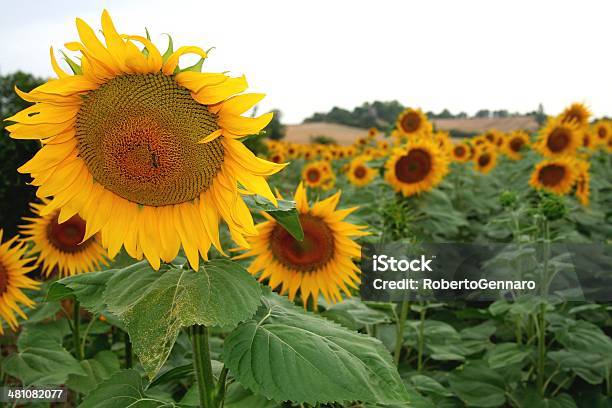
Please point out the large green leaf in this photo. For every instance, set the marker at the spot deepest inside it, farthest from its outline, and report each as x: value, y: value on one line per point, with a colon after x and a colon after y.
x: 123, y: 389
x: 97, y: 369
x: 505, y: 354
x: 591, y: 367
x: 87, y: 288
x: 355, y: 314
x: 155, y: 306
x: 286, y: 353
x: 285, y: 214
x: 478, y: 386
x: 40, y: 358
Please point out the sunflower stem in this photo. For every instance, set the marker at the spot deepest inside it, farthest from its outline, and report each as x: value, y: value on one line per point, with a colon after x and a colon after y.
x: 128, y: 350
x: 203, y: 367
x: 76, y: 329
x: 399, y: 339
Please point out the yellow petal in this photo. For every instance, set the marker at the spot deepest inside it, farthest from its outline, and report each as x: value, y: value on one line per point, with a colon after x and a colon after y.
x: 237, y: 105
x: 194, y: 81
x: 173, y: 59
x: 210, y: 95
x: 240, y: 125
x: 56, y: 68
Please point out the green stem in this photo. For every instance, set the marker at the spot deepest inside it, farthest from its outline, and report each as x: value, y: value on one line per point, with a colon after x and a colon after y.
x: 203, y: 366
x: 220, y: 392
x: 76, y: 330
x: 129, y: 356
x: 399, y: 338
x: 421, y: 340
x: 541, y: 327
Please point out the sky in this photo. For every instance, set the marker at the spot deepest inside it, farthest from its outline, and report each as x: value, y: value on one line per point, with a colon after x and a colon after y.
x: 309, y: 56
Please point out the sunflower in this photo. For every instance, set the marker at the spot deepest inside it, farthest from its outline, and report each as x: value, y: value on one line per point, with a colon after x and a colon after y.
x: 60, y: 244
x: 412, y: 122
x: 558, y: 138
x: 576, y: 113
x: 602, y: 131
x: 583, y: 182
x: 372, y: 132
x: 493, y: 136
x: 555, y: 175
x: 461, y: 152
x: 485, y: 159
x: 13, y: 269
x: 277, y: 156
x: 358, y: 172
x: 516, y: 141
x: 322, y: 263
x: 147, y: 153
x: 417, y: 167
x: 316, y: 174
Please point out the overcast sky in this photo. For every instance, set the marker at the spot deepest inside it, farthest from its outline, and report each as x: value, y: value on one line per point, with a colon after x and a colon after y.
x: 312, y: 55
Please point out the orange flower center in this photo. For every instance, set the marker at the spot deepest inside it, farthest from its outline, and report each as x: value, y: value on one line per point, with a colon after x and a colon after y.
x: 413, y: 167
x: 310, y: 254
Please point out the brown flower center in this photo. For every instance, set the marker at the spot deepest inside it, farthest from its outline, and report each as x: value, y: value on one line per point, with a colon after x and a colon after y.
x: 484, y: 159
x: 138, y: 136
x: 459, y: 151
x: 551, y: 175
x: 601, y: 132
x: 4, y: 279
x: 313, y: 175
x: 68, y: 235
x: 413, y: 167
x: 310, y: 254
x: 411, y: 122
x: 360, y: 172
x: 516, y: 144
x: 558, y: 140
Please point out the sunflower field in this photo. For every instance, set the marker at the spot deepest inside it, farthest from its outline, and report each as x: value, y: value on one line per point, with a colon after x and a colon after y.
x: 164, y: 263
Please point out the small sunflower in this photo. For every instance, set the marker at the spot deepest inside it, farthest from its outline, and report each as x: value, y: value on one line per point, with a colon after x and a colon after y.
x: 417, y: 167
x: 493, y: 136
x: 372, y: 132
x: 14, y: 266
x: 555, y: 175
x: 576, y: 113
x: 149, y: 154
x: 558, y: 138
x: 460, y: 152
x: 485, y: 159
x: 277, y: 156
x: 583, y: 182
x: 516, y: 141
x: 413, y: 122
x: 358, y: 172
x: 322, y: 263
x: 60, y: 244
x: 318, y: 174
x: 602, y: 130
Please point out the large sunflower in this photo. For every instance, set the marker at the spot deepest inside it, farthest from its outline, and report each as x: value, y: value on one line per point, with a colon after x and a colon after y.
x: 559, y: 138
x: 413, y: 122
x: 516, y: 141
x: 555, y: 175
x: 147, y: 153
x: 60, y: 243
x: 13, y: 269
x: 417, y: 167
x: 322, y: 263
x: 358, y: 173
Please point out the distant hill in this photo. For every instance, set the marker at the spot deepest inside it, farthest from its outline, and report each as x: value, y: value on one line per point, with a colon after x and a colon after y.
x: 346, y: 135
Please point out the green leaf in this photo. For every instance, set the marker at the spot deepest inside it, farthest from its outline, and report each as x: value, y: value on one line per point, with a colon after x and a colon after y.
x: 505, y: 354
x: 176, y: 373
x: 197, y: 67
x: 285, y: 214
x: 355, y: 314
x: 76, y: 68
x: 86, y: 287
x: 591, y: 367
x: 155, y: 306
x: 429, y: 386
x: 169, y: 49
x: 97, y: 369
x: 478, y: 386
x: 40, y: 358
x: 286, y: 353
x: 530, y: 397
x: 122, y: 389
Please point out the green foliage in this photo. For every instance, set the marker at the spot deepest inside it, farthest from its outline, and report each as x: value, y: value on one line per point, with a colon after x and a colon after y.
x: 15, y: 193
x: 275, y: 129
x: 322, y: 139
x: 370, y: 114
x: 285, y: 213
x: 285, y: 353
